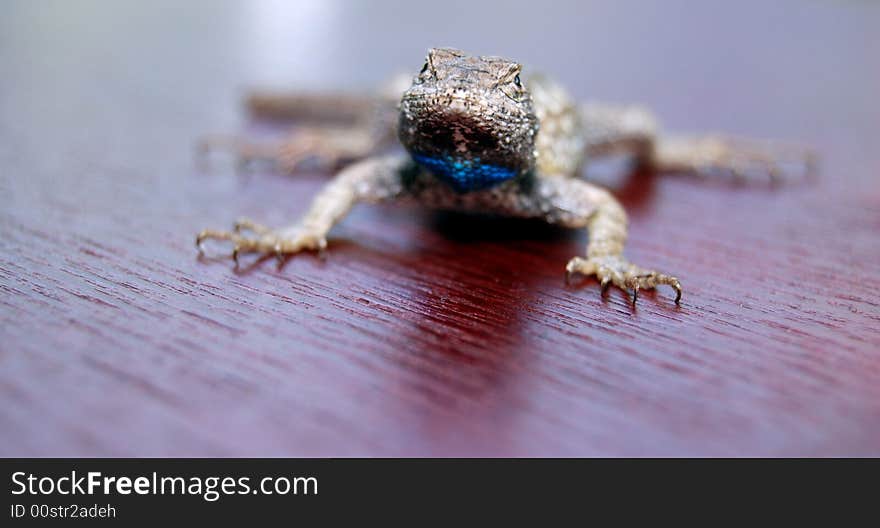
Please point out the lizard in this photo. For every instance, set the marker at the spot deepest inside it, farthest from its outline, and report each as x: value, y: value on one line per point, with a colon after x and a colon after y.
x: 478, y: 137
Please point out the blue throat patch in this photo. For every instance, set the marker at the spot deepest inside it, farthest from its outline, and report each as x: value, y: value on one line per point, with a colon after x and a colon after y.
x: 465, y: 175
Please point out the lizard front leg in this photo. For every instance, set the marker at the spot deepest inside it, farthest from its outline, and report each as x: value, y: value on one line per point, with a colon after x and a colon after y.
x: 372, y: 180
x: 576, y: 203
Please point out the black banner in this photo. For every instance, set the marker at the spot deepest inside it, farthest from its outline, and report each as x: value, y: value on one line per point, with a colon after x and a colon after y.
x: 345, y: 490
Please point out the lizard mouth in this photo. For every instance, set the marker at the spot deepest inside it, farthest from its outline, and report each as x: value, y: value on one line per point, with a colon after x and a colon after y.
x: 453, y: 132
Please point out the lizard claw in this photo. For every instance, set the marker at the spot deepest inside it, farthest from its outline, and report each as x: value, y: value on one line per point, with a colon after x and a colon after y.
x: 616, y: 270
x: 279, y: 254
x: 606, y: 282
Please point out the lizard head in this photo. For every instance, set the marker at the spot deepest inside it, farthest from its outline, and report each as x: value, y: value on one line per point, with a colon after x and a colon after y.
x: 469, y: 120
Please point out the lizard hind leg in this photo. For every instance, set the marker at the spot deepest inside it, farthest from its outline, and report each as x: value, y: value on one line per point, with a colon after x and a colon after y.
x: 328, y: 146
x: 333, y: 129
x: 744, y: 160
x: 634, y: 130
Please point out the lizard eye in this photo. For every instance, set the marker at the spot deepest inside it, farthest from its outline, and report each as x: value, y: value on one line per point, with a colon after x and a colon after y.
x: 517, y: 81
x: 421, y: 77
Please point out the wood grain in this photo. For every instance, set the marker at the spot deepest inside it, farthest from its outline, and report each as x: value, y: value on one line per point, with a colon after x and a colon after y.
x: 420, y: 333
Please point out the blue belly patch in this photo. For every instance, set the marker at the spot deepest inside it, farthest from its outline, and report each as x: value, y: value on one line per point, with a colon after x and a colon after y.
x: 464, y: 174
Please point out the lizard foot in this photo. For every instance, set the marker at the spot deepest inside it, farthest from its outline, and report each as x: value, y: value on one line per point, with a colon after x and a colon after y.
x: 265, y: 240
x: 618, y: 271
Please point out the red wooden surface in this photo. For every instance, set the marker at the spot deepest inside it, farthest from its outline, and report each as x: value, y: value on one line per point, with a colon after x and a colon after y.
x: 431, y: 334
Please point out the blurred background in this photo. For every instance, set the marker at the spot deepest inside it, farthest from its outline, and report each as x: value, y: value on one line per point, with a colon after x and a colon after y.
x: 775, y: 69
x: 781, y: 69
x: 116, y: 340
